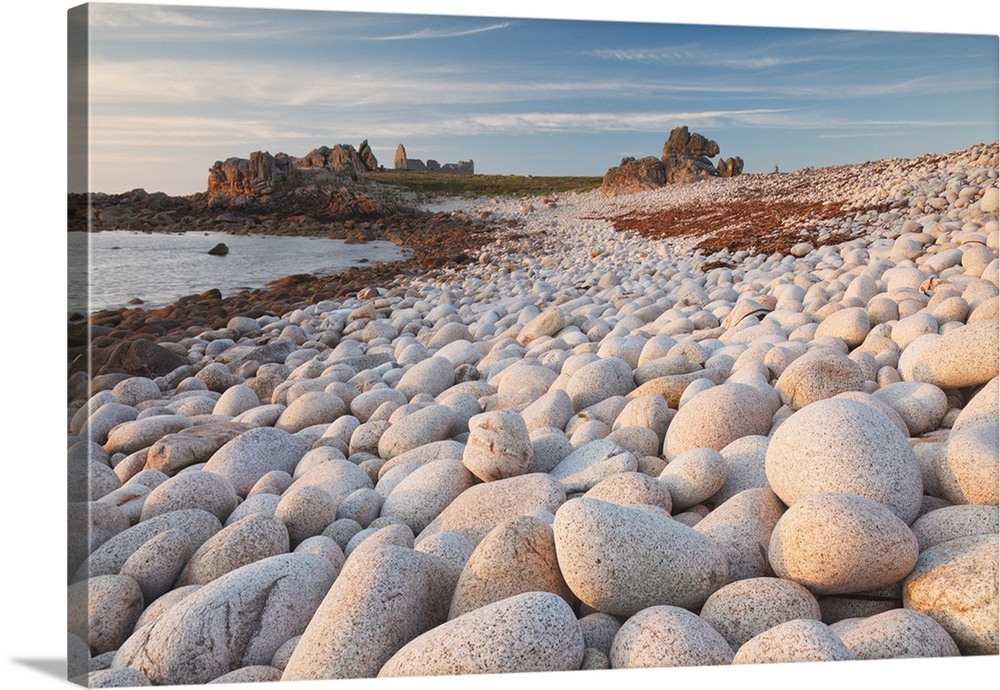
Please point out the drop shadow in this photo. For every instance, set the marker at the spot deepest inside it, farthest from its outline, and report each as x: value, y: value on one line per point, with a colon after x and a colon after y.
x: 50, y: 667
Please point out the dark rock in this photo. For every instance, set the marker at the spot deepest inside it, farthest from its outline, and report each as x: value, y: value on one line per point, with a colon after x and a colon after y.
x: 634, y: 176
x: 136, y: 358
x: 219, y: 250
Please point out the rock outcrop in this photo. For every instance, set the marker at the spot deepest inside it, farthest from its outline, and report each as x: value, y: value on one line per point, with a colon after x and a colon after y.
x: 402, y: 162
x: 365, y: 151
x: 634, y: 176
x: 686, y: 158
x: 265, y: 193
x: 237, y: 181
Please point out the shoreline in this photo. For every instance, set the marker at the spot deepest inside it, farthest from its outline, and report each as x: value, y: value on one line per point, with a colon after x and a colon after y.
x: 436, y: 240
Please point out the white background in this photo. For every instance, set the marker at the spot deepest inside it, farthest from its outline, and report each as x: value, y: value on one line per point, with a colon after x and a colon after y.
x: 32, y: 368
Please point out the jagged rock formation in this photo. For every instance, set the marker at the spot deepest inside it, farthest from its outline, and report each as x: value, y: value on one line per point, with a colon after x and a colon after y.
x: 686, y: 158
x: 730, y: 167
x: 275, y: 194
x: 635, y: 176
x: 402, y: 162
x: 263, y: 175
x: 324, y: 183
x: 367, y: 157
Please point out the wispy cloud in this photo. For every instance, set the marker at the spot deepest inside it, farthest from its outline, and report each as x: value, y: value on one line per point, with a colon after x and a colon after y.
x: 149, y: 136
x: 228, y: 83
x: 423, y: 34
x: 119, y: 16
x: 538, y: 122
x: 674, y: 55
x: 235, y: 136
x: 225, y: 134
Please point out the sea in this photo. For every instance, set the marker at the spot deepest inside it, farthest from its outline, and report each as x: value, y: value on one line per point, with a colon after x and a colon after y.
x: 108, y: 269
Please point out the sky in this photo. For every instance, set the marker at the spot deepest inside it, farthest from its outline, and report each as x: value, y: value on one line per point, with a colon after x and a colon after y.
x: 174, y: 88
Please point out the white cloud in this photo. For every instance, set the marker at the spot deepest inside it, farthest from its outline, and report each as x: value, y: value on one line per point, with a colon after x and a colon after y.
x: 342, y: 87
x: 699, y: 57
x: 143, y: 134
x: 121, y: 16
x: 423, y: 34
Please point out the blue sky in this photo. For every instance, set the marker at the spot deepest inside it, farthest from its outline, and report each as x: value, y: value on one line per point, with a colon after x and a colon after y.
x: 174, y: 88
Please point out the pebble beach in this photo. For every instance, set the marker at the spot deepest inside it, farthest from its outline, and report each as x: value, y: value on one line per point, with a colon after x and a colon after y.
x: 747, y: 420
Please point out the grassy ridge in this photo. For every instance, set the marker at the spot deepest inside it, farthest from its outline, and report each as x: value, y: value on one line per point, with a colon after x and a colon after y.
x: 453, y: 184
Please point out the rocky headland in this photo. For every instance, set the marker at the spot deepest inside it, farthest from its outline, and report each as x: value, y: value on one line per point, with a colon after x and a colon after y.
x: 756, y: 416
x: 319, y: 194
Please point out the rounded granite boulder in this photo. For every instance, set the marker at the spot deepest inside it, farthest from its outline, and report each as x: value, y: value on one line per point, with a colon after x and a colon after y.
x: 632, y: 488
x: 517, y: 556
x: 499, y: 446
x: 421, y: 496
x: 314, y: 407
x: 433, y: 376
x: 665, y: 636
x: 385, y: 596
x: 155, y: 564
x: 599, y: 630
x: 742, y: 527
x: 530, y: 632
x: 592, y: 463
x: 481, y: 507
x: 896, y: 634
x: 718, y: 416
x: 837, y: 543
x: 850, y: 325
x: 920, y: 405
x: 193, y: 489
x: 966, y: 356
x: 254, y: 453
x: 306, y: 511
x: 693, y: 476
x: 249, y: 539
x: 103, y: 610
x: 953, y: 522
x: 622, y: 559
x: 969, y: 469
x: 240, y: 619
x: 109, y: 557
x: 744, y: 609
x: 797, y: 640
x: 597, y: 381
x: 426, y: 425
x: 956, y: 583
x: 821, y: 373
x: 845, y: 446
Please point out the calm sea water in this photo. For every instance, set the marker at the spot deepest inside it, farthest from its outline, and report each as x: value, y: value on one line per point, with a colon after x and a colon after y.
x: 158, y: 268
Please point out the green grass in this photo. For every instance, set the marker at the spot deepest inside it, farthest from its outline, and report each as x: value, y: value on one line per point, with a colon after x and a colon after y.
x: 453, y: 184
